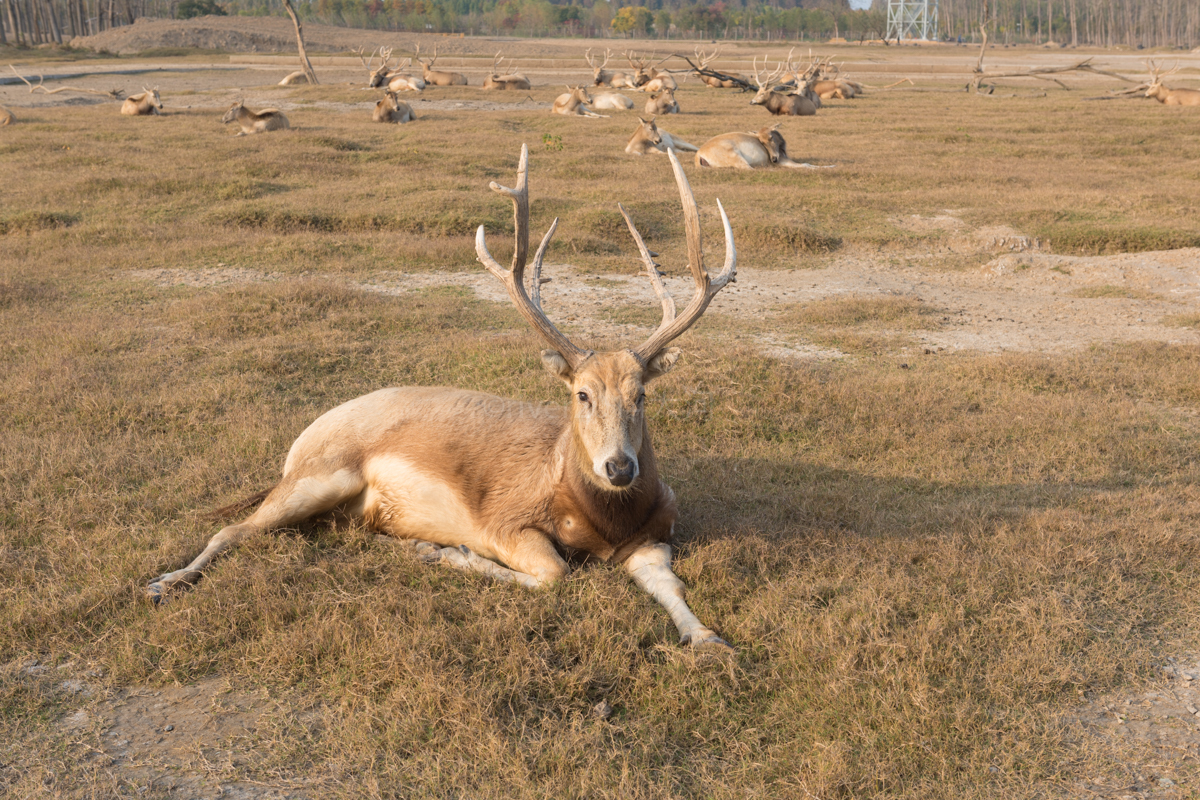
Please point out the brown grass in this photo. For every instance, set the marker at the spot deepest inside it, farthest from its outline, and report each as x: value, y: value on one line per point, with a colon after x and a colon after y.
x: 921, y: 569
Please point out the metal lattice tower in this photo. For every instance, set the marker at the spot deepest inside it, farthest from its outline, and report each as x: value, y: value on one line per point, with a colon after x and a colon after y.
x: 912, y: 19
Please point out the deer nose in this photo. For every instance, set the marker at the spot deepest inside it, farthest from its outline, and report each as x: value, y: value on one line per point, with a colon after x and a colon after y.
x: 621, y: 470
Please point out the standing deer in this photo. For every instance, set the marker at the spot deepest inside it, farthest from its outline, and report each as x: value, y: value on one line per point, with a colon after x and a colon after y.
x: 777, y: 102
x: 509, y: 81
x: 392, y: 109
x: 574, y: 102
x: 438, y: 78
x: 763, y: 148
x: 662, y: 103
x: 607, y: 77
x: 142, y: 104
x: 649, y: 138
x: 499, y: 486
x: 269, y: 119
x: 1170, y: 97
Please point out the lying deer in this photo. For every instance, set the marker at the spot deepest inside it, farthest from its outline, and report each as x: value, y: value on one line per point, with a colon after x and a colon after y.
x: 294, y: 78
x: 722, y: 80
x: 611, y: 101
x: 763, y: 148
x: 662, y: 103
x: 648, y: 77
x: 6, y: 117
x: 269, y: 119
x: 507, y: 81
x: 573, y: 103
x: 649, y: 138
x: 392, y: 109
x: 607, y: 77
x: 498, y: 486
x: 436, y: 77
x: 778, y: 102
x: 1170, y: 97
x: 142, y: 104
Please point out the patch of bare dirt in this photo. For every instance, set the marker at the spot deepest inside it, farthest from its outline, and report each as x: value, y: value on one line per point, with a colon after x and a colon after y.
x: 178, y: 741
x: 1162, y: 722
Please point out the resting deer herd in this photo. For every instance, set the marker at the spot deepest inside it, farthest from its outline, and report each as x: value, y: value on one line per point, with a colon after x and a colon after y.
x: 510, y: 489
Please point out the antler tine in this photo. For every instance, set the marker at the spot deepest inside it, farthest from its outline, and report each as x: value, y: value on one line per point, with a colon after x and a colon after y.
x: 660, y: 289
x: 706, y: 288
x: 514, y: 279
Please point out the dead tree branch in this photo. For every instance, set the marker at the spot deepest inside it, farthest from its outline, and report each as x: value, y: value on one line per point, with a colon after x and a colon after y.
x: 741, y: 83
x: 1040, y: 73
x: 115, y: 94
x: 305, y: 64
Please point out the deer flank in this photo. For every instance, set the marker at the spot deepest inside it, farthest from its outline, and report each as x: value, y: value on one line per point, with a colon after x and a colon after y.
x: 763, y: 148
x: 498, y: 486
x: 294, y: 79
x: 611, y: 101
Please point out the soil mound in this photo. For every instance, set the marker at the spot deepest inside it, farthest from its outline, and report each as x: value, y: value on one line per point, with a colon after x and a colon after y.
x: 235, y: 34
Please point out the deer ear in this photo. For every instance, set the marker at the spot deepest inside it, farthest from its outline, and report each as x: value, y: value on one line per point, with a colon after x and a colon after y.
x: 558, y: 366
x: 661, y: 364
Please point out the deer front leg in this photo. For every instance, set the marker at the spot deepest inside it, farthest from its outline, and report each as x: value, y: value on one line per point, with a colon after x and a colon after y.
x: 532, y: 560
x: 650, y: 567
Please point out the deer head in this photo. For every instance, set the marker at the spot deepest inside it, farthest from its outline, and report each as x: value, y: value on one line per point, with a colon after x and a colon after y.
x: 608, y: 389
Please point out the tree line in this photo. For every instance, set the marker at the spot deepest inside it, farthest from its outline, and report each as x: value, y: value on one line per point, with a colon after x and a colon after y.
x: 1133, y: 23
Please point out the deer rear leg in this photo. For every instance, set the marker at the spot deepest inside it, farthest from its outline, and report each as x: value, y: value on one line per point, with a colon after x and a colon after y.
x: 292, y: 501
x: 650, y: 567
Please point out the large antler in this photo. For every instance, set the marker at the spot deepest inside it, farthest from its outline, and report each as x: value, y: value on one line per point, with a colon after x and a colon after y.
x: 671, y: 326
x: 514, y: 279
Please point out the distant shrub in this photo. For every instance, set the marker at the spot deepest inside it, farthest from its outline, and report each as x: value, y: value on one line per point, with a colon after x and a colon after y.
x: 198, y: 8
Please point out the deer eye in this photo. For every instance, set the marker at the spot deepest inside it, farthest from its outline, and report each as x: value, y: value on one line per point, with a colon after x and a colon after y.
x: 583, y: 396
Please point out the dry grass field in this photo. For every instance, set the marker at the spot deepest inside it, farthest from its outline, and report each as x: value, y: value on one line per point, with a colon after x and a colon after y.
x: 928, y: 562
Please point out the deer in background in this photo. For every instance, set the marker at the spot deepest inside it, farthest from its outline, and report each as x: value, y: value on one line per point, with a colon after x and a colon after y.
x: 142, y: 104
x: 574, y: 103
x: 509, y: 81
x: 392, y: 109
x: 780, y: 103
x: 648, y: 78
x: 1170, y: 97
x: 649, y: 138
x: 662, y: 103
x: 396, y: 80
x: 6, y: 117
x: 498, y: 486
x: 435, y: 77
x: 269, y: 119
x: 607, y: 77
x: 763, y: 148
x: 731, y: 80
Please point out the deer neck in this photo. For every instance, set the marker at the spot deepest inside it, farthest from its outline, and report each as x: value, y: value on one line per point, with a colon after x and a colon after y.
x: 603, y: 522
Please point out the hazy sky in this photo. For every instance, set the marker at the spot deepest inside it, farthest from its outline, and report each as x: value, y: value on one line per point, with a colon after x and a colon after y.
x: 860, y: 3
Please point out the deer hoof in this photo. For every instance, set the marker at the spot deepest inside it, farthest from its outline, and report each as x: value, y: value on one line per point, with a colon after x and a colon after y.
x: 708, y: 644
x: 157, y: 594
